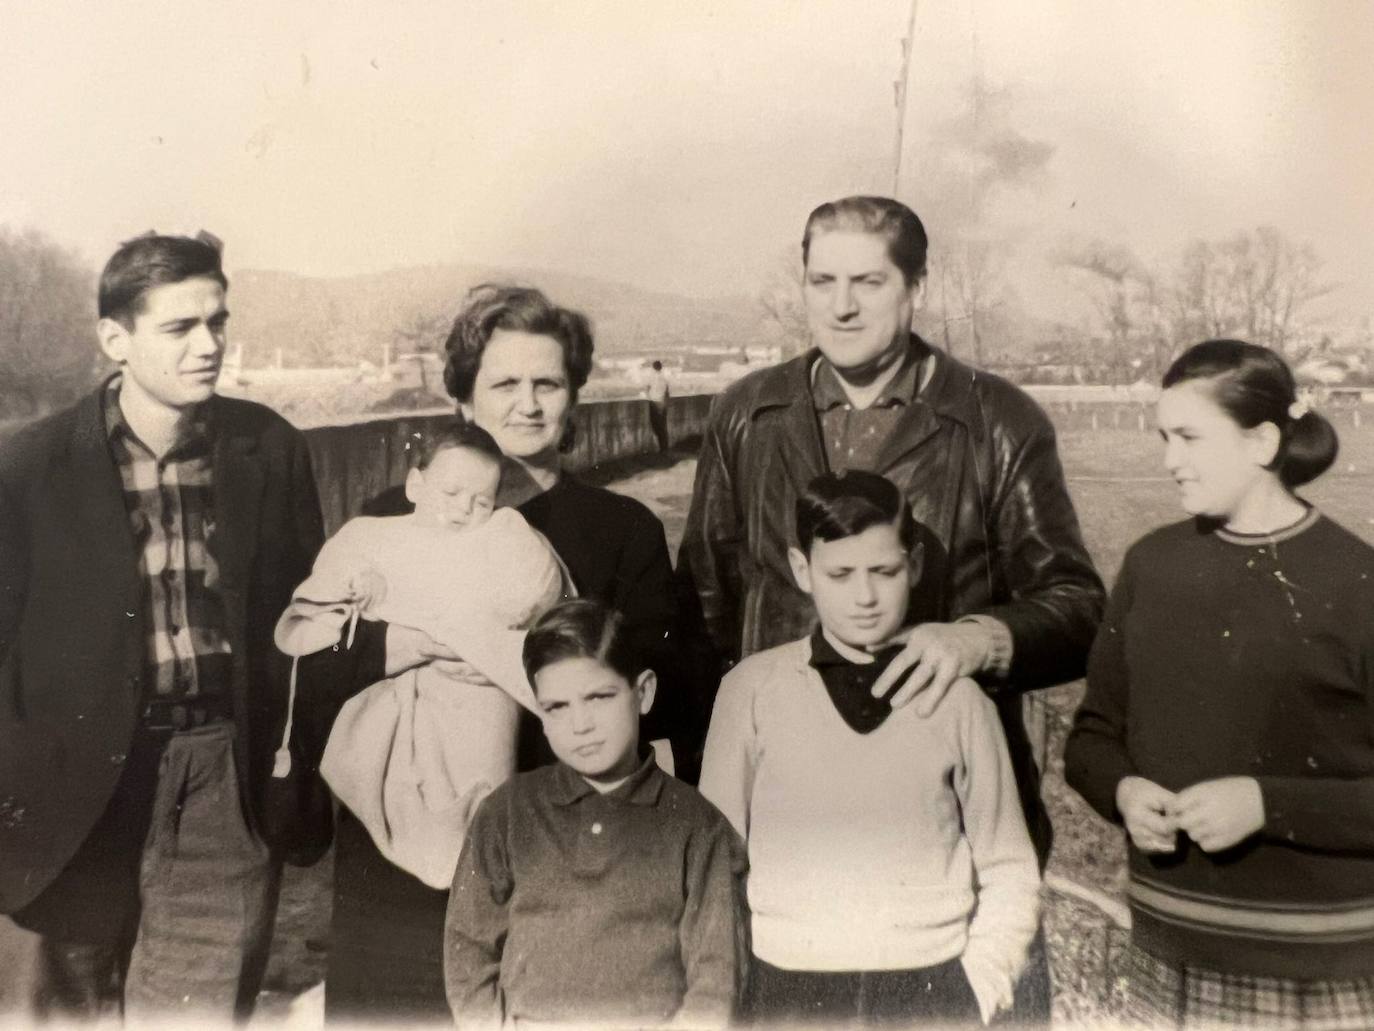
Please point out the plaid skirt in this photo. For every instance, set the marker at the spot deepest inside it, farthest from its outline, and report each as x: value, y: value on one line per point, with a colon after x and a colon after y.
x: 1165, y: 994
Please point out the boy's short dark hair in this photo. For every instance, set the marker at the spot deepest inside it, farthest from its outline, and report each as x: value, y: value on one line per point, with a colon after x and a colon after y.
x: 457, y: 433
x: 150, y: 261
x: 843, y: 504
x: 580, y: 628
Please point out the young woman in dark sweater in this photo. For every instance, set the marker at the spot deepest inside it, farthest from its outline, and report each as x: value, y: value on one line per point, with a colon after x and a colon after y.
x: 1229, y: 717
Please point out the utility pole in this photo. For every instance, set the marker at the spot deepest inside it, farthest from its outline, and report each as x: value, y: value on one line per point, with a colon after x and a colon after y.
x: 899, y: 90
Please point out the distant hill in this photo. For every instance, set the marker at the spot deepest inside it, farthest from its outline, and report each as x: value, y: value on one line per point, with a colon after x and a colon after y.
x: 319, y: 321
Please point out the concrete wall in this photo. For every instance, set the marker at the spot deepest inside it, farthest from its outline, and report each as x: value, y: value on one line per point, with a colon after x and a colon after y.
x: 354, y: 462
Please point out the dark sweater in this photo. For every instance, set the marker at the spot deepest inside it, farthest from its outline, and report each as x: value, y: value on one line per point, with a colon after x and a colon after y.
x: 569, y: 904
x: 1224, y: 655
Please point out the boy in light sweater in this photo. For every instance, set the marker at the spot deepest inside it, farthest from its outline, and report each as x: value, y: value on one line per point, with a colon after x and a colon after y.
x: 892, y: 877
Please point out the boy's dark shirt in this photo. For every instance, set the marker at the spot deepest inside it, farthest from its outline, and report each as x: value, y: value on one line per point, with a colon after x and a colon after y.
x: 578, y: 905
x: 849, y: 684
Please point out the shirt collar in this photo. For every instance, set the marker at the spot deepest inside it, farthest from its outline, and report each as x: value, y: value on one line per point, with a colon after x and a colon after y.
x: 641, y: 788
x: 194, y: 439
x: 827, y: 391
x: 825, y: 655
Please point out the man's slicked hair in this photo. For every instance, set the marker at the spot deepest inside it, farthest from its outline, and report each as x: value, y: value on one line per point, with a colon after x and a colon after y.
x: 150, y: 261
x: 880, y: 216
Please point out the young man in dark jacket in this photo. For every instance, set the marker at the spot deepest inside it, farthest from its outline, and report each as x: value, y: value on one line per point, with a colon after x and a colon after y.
x: 1007, y: 592
x: 149, y: 537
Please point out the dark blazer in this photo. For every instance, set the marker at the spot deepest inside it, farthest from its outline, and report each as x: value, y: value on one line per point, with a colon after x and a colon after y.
x: 997, y: 533
x: 71, y: 623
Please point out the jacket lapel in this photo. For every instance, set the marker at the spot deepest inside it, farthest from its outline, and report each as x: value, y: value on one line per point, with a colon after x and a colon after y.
x: 802, y: 450
x: 926, y: 457
x: 239, y: 480
x: 92, y: 491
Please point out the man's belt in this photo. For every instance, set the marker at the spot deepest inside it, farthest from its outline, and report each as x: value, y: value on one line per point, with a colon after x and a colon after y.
x: 183, y: 713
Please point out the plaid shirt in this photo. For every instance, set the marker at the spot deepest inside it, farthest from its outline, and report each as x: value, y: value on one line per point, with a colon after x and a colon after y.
x: 170, y: 502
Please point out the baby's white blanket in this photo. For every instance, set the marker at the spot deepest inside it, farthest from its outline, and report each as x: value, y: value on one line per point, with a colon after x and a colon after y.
x: 412, y: 755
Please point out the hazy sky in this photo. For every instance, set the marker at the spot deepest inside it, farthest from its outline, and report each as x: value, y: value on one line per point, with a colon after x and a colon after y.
x: 675, y: 145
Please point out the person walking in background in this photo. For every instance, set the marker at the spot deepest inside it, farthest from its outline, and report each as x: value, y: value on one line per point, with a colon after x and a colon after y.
x: 1229, y: 718
x: 891, y: 876
x: 515, y: 364
x: 1008, y: 592
x: 597, y: 891
x: 656, y: 390
x: 149, y: 537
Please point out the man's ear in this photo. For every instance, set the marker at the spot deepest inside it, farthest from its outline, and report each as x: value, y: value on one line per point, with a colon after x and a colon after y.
x: 801, y: 568
x: 415, y: 480
x: 465, y: 410
x: 646, y: 684
x: 917, y: 293
x: 114, y: 340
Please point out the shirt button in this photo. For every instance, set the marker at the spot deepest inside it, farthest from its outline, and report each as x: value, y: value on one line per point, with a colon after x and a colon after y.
x: 596, y: 828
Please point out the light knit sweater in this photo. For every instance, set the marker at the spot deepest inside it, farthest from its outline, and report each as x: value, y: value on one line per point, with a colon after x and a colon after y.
x: 412, y: 755
x: 897, y: 849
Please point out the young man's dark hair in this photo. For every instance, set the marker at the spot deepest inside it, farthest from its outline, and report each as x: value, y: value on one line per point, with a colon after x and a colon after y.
x: 150, y: 261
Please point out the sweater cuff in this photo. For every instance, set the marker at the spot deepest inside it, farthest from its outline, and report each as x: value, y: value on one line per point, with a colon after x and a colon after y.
x: 1283, y: 810
x: 991, y: 986
x: 998, y: 660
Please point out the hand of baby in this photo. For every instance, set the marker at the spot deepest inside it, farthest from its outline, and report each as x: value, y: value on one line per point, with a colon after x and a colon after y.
x: 367, y: 589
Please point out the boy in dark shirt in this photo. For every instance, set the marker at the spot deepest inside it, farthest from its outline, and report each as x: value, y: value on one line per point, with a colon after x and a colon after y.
x: 597, y: 890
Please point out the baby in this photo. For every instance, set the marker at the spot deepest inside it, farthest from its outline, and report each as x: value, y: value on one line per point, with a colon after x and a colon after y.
x: 412, y: 755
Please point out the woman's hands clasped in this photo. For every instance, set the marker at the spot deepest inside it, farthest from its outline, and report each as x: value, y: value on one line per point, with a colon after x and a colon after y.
x: 1216, y: 814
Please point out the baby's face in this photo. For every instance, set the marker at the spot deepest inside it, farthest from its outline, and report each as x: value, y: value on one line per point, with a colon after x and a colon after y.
x: 457, y: 490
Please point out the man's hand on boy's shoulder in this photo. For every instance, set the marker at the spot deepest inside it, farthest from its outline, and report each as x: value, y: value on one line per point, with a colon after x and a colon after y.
x: 935, y: 655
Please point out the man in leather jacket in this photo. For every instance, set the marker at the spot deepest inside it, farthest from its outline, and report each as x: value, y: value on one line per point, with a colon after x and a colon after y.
x: 1005, y: 590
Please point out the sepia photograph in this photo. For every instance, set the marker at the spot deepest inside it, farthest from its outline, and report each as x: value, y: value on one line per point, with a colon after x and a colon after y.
x: 735, y: 514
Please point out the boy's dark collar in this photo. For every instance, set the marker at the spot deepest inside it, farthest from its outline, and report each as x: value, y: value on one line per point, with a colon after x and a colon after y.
x: 823, y: 654
x: 641, y: 788
x: 849, y: 684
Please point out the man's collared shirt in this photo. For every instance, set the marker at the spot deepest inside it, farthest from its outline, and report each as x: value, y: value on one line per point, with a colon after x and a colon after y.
x: 854, y: 436
x: 170, y: 502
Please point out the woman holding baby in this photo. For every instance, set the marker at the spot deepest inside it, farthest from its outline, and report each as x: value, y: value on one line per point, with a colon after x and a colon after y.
x: 515, y: 364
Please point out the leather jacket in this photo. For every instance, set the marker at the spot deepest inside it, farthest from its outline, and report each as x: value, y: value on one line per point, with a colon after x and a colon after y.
x: 996, y: 530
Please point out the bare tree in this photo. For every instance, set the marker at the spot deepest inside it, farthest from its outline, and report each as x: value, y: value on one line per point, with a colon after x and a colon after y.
x: 48, y: 354
x: 781, y: 306
x: 419, y: 337
x: 1119, y: 288
x: 1254, y: 284
x: 975, y: 160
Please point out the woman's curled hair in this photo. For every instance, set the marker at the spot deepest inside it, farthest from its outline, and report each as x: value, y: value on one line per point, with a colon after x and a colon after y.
x: 524, y: 309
